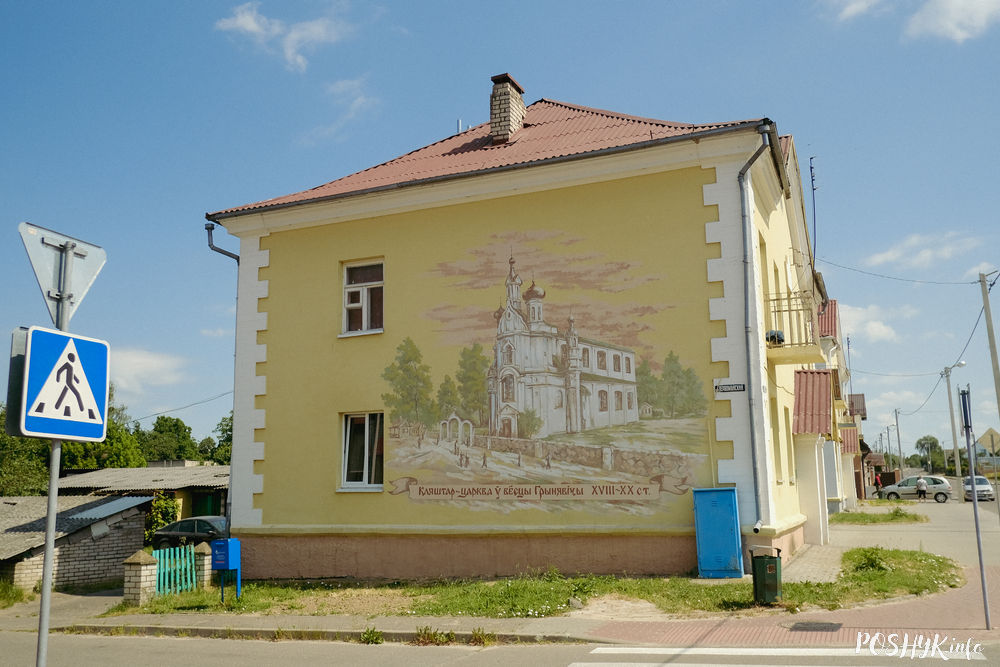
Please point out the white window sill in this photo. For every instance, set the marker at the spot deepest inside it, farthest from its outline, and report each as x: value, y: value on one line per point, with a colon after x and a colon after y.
x: 360, y: 489
x: 367, y: 332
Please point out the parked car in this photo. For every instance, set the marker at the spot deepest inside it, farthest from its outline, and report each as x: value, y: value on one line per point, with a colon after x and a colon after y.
x: 193, y: 530
x: 938, y: 488
x: 984, y: 490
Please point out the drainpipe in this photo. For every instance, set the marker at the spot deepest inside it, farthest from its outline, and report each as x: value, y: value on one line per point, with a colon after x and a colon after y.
x: 229, y: 490
x: 764, y: 128
x: 222, y: 251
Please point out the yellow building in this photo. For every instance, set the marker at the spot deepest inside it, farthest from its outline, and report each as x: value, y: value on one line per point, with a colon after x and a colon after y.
x: 406, y: 407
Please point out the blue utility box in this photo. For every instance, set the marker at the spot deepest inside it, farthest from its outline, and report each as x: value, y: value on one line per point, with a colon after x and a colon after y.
x: 226, y: 559
x: 717, y: 533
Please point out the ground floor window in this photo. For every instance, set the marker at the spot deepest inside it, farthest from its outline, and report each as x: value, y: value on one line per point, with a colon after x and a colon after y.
x: 363, y: 450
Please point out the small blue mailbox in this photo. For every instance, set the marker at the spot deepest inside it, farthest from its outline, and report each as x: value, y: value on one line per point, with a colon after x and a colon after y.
x: 226, y: 558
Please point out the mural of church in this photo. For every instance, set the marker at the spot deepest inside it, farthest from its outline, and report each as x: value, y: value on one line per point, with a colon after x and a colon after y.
x: 545, y: 381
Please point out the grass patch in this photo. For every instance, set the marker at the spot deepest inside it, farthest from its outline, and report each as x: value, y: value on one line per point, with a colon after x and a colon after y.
x: 883, y: 502
x: 427, y: 637
x: 866, y: 574
x: 10, y: 594
x: 895, y: 515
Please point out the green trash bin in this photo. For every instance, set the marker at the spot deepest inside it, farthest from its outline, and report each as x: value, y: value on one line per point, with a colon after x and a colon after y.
x: 766, y: 575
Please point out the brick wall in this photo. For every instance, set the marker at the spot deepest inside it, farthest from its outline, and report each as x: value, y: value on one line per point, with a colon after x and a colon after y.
x: 89, y: 556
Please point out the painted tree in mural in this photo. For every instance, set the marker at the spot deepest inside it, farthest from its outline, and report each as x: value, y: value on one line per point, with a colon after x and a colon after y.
x: 473, y: 365
x: 648, y: 387
x: 677, y: 391
x: 683, y: 397
x: 448, y: 400
x: 528, y: 424
x: 410, y: 381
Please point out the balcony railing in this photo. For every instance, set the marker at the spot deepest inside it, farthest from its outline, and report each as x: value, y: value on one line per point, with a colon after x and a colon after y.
x: 793, y: 328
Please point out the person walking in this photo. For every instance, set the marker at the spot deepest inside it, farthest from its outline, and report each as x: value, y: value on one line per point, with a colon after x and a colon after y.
x: 878, y: 485
x: 921, y: 489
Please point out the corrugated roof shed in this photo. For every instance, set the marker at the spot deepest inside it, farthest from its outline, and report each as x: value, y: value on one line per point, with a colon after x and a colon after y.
x: 117, y: 480
x: 22, y: 518
x: 552, y: 131
x: 813, y: 402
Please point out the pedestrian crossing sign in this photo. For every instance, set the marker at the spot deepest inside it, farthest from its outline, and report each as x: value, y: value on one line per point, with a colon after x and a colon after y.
x: 65, y: 393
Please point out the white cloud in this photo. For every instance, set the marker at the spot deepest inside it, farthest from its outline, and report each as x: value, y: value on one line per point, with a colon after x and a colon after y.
x: 982, y: 267
x: 957, y: 20
x: 292, y: 40
x: 135, y: 369
x: 215, y: 333
x: 349, y: 95
x: 870, y: 322
x: 851, y: 8
x: 924, y: 250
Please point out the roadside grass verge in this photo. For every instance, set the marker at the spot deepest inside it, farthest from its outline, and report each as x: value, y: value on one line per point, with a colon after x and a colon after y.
x: 883, y: 502
x: 869, y: 573
x: 895, y: 515
x: 10, y: 594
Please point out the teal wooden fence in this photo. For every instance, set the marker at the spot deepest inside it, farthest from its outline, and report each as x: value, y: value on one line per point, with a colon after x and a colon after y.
x: 174, y: 569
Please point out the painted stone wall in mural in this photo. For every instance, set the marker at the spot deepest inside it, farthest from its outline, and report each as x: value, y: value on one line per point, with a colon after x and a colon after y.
x: 545, y: 412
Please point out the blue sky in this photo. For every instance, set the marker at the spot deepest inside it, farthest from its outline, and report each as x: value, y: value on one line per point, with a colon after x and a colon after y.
x: 123, y: 123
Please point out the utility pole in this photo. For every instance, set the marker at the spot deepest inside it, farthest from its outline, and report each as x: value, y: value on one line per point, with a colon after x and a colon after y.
x: 991, y: 337
x: 899, y: 444
x: 951, y: 413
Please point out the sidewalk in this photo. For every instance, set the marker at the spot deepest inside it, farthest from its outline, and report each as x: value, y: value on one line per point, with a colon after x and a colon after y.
x: 956, y: 614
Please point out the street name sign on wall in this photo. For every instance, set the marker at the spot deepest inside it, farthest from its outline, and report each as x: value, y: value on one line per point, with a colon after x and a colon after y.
x: 65, y: 391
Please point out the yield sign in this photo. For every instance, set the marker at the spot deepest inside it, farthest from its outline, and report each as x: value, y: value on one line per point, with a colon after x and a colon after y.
x: 65, y: 386
x: 64, y: 266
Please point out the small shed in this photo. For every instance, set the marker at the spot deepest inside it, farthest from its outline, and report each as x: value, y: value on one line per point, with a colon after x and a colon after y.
x: 94, y: 534
x: 200, y: 490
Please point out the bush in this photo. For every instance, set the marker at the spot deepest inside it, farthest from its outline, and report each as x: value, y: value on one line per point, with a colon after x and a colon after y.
x: 162, y: 512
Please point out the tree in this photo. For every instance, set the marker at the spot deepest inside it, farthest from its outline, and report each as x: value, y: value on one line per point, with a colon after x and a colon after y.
x: 683, y: 396
x: 648, y: 387
x: 448, y: 400
x: 410, y: 381
x: 169, y: 440
x: 120, y: 448
x: 473, y: 365
x: 24, y: 469
x: 927, y: 444
x: 528, y: 424
x: 220, y: 451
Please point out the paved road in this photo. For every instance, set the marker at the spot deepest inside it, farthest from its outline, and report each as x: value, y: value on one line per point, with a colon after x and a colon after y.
x: 97, y: 651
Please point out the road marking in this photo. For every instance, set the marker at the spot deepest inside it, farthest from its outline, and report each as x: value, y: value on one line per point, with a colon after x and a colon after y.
x: 760, y: 652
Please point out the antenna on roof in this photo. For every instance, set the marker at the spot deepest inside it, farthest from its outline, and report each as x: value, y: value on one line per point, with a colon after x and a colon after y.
x: 812, y: 182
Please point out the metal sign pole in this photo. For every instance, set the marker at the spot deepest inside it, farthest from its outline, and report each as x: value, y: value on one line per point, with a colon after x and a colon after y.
x: 963, y: 397
x: 63, y: 297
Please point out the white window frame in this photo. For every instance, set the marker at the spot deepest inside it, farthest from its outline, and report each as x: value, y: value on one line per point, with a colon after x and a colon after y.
x: 363, y: 302
x: 364, y: 484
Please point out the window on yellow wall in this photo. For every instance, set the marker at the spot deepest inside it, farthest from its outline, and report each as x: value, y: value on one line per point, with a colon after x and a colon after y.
x: 363, y: 288
x: 363, y: 451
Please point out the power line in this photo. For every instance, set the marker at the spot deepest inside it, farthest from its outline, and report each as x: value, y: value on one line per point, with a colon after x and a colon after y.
x: 903, y: 280
x: 184, y: 407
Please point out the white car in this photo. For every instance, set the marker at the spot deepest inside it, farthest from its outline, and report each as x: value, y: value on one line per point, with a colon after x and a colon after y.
x: 984, y: 490
x: 938, y: 488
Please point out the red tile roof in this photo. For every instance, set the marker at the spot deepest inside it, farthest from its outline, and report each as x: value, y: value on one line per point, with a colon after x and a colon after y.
x: 849, y: 440
x: 856, y: 405
x: 828, y: 319
x: 552, y: 131
x: 813, y: 402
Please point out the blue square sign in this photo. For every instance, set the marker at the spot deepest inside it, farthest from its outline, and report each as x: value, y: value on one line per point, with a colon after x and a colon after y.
x: 65, y: 392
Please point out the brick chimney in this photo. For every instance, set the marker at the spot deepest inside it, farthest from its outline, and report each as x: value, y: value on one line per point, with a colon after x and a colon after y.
x: 506, y: 108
